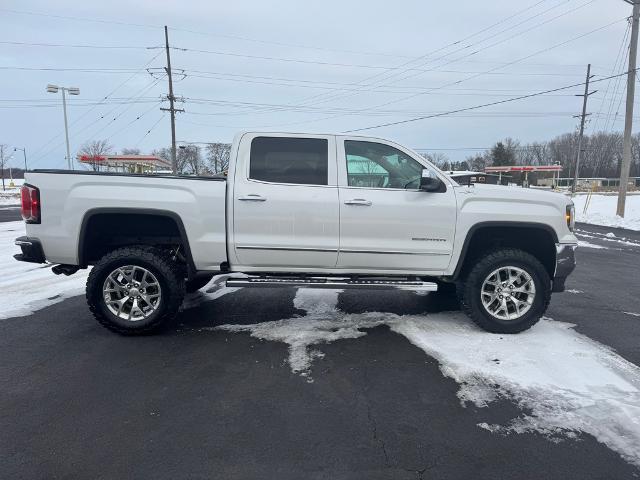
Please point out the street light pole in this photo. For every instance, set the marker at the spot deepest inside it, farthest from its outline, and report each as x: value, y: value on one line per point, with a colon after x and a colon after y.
x: 66, y: 128
x: 72, y: 91
x: 24, y: 152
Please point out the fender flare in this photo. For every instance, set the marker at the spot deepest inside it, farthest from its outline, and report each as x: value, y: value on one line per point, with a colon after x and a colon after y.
x: 191, y: 268
x: 471, y: 232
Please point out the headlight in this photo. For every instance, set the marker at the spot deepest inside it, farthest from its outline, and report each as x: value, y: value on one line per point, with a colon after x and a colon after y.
x: 571, y: 216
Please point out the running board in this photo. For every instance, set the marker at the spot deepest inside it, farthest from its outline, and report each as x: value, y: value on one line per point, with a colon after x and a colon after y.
x: 332, y: 282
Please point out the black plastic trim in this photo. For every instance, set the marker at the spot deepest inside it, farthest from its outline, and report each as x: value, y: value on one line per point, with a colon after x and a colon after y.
x: 191, y: 267
x: 565, y: 265
x: 32, y: 251
x: 477, y: 226
x: 121, y: 174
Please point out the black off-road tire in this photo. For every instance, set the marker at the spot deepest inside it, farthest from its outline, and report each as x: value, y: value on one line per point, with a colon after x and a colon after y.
x: 471, y: 302
x: 197, y: 283
x: 169, y: 276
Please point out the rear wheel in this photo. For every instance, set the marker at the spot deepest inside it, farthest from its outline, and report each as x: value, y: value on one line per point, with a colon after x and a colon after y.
x: 135, y: 290
x: 506, y: 291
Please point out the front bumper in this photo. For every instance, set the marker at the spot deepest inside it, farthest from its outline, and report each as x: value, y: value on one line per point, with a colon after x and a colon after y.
x: 32, y: 251
x: 565, y: 264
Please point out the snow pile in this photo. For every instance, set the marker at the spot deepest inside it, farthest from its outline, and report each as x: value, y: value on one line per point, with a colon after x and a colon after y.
x: 9, y: 197
x: 322, y: 324
x: 568, y: 383
x: 27, y: 287
x: 585, y: 244
x: 602, y: 211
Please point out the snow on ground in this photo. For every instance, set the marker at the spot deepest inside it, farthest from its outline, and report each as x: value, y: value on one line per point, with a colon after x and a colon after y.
x: 602, y: 211
x: 567, y: 383
x: 9, y: 197
x: 585, y: 244
x: 27, y: 287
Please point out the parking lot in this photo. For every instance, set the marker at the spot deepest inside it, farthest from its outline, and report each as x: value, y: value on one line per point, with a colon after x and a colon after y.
x: 286, y: 383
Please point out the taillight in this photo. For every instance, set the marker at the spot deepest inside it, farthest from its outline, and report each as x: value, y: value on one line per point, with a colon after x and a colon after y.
x: 30, y: 197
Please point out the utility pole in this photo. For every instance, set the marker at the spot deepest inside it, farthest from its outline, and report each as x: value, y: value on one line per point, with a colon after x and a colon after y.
x: 628, y: 121
x: 2, y: 165
x: 582, y: 120
x: 171, y: 109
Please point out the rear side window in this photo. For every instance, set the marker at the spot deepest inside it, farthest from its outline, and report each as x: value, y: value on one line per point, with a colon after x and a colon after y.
x: 290, y: 160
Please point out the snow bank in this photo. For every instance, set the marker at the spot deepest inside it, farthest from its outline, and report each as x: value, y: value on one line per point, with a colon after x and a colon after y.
x: 27, y: 287
x: 568, y: 383
x: 602, y: 211
x: 9, y: 197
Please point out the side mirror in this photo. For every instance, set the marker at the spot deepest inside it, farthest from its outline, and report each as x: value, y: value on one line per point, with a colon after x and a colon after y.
x: 430, y: 183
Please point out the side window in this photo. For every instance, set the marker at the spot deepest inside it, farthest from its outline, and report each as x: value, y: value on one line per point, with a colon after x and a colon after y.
x: 375, y: 165
x: 290, y: 160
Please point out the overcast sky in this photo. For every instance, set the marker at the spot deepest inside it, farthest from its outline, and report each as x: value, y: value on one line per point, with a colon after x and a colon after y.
x: 327, y: 66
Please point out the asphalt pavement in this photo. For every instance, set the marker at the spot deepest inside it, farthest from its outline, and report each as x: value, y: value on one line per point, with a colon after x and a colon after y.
x: 9, y: 213
x: 77, y: 401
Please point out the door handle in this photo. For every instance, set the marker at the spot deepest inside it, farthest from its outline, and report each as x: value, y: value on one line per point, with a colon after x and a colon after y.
x: 252, y: 197
x: 358, y: 201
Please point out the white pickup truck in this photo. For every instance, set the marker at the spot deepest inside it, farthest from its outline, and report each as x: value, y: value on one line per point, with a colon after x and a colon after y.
x: 303, y: 210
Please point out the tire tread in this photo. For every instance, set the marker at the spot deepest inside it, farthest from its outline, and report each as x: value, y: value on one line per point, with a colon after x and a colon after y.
x: 168, y: 269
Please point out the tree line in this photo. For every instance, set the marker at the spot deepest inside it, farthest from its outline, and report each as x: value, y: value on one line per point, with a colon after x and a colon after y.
x: 212, y: 159
x: 601, y: 155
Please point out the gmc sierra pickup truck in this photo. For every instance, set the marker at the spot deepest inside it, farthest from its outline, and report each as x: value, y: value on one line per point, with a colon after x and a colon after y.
x: 303, y: 210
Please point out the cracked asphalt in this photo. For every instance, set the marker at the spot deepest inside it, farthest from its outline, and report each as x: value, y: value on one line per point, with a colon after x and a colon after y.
x: 77, y: 401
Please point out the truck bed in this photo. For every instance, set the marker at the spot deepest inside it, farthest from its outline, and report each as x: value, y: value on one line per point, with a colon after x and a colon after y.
x: 70, y: 199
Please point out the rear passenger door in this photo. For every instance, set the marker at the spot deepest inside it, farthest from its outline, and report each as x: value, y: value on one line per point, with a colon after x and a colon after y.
x: 285, y: 202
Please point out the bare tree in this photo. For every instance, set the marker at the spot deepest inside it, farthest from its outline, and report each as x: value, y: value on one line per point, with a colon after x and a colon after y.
x: 218, y: 156
x: 131, y: 151
x: 479, y: 162
x: 93, y: 150
x: 3, y: 161
x: 189, y: 156
x: 439, y: 159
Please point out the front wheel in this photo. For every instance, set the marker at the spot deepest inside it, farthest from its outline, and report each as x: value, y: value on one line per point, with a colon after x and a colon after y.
x: 506, y: 291
x: 135, y: 290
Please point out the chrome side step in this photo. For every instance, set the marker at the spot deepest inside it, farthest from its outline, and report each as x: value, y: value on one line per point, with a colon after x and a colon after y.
x: 333, y: 282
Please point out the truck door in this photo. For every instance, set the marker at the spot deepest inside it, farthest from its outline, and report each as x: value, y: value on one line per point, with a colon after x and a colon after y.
x: 386, y: 223
x: 285, y: 202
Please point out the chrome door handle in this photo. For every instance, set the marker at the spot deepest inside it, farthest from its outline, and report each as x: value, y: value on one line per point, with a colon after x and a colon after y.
x: 358, y: 201
x: 252, y: 197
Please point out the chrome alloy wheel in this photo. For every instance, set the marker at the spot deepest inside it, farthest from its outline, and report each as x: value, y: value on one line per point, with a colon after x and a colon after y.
x: 508, y: 293
x: 131, y: 293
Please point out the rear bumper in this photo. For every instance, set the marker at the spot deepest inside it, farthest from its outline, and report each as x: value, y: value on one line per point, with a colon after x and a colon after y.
x: 32, y: 251
x: 565, y: 264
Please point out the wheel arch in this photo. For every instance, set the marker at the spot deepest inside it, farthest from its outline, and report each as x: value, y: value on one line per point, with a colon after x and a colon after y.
x: 92, y: 216
x: 539, y: 241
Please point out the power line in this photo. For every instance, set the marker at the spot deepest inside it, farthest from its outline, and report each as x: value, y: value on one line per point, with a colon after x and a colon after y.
x: 619, y: 56
x: 478, y: 75
x: 509, y: 64
x: 149, y: 131
x: 120, y: 85
x: 73, y: 45
x: 466, y: 47
x: 475, y: 107
x: 81, y: 19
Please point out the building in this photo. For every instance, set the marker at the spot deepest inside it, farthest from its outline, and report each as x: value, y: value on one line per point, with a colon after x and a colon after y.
x: 126, y: 163
x: 464, y: 177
